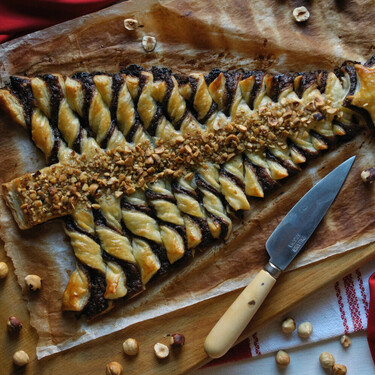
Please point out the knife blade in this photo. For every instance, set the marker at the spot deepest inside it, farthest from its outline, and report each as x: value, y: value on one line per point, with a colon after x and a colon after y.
x: 299, y: 224
x: 283, y: 245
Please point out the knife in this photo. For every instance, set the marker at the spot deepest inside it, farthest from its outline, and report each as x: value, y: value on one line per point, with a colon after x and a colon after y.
x: 283, y: 245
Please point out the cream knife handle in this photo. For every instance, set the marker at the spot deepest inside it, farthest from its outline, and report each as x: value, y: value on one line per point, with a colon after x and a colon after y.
x: 230, y: 326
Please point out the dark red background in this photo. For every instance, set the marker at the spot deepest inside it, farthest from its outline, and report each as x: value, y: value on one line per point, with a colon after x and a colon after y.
x: 19, y: 17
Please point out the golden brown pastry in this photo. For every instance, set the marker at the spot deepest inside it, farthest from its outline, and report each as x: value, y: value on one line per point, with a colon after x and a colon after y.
x: 146, y: 166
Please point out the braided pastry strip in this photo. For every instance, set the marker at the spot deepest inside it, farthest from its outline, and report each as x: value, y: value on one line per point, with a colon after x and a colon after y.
x: 156, y: 105
x: 116, y: 247
x: 47, y: 137
x: 47, y: 92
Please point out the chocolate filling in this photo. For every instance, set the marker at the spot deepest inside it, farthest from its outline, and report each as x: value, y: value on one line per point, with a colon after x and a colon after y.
x: 133, y: 276
x: 212, y: 75
x: 117, y: 83
x: 288, y: 166
x: 307, y: 153
x: 164, y: 74
x: 231, y: 83
x: 77, y: 142
x: 233, y: 178
x: 21, y: 88
x: 212, y: 109
x: 88, y: 87
x: 280, y: 83
x: 307, y: 80
x: 321, y: 137
x: 135, y: 207
x: 137, y: 124
x: 258, y: 76
x: 97, y: 286
x: 178, y: 189
x: 223, y: 224
x: 155, y: 120
x: 322, y: 81
x: 132, y: 70
x: 370, y: 62
x: 57, y: 96
x: 265, y: 180
x: 161, y: 253
x: 105, y: 140
x: 152, y: 195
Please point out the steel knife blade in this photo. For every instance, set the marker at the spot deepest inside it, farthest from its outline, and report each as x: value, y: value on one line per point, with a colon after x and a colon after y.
x: 283, y: 245
x: 298, y: 225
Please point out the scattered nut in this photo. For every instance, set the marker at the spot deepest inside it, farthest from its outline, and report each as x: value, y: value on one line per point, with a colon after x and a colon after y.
x: 288, y: 325
x: 368, y: 175
x: 149, y: 43
x: 305, y: 329
x: 130, y: 24
x: 130, y: 347
x: 345, y: 341
x: 113, y: 368
x: 14, y: 324
x: 161, y: 350
x: 301, y: 14
x: 282, y: 358
x: 178, y: 340
x: 3, y: 270
x: 339, y: 370
x: 21, y: 358
x: 327, y: 360
x: 34, y: 282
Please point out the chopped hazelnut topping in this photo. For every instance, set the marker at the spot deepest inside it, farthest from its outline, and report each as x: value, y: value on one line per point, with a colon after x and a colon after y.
x: 130, y: 24
x: 122, y: 170
x: 149, y: 43
x: 301, y: 14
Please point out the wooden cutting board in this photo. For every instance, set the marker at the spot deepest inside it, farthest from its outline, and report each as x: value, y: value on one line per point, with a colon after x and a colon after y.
x: 194, y: 322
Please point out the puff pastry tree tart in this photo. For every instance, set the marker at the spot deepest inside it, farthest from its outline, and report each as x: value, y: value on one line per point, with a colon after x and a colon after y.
x: 146, y: 166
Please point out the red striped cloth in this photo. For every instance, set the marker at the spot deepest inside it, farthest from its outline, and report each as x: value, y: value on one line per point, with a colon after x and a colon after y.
x: 371, y: 317
x: 340, y: 308
x: 19, y: 17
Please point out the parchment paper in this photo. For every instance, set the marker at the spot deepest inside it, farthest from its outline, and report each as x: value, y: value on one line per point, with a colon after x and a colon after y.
x: 192, y: 36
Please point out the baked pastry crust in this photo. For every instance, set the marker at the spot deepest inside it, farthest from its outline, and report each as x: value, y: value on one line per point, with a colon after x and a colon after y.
x: 149, y: 165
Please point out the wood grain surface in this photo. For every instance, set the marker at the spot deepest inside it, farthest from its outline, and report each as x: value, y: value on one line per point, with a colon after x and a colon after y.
x: 194, y: 322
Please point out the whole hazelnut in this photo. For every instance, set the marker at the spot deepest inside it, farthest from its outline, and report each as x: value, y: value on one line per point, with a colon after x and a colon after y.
x: 14, y: 324
x: 3, y: 270
x: 345, y: 341
x: 130, y: 346
x: 327, y: 360
x: 339, y: 370
x: 130, y: 24
x: 288, y: 325
x: 301, y: 14
x: 113, y: 368
x: 178, y: 340
x: 282, y: 358
x: 149, y: 43
x: 21, y: 358
x: 34, y: 282
x: 161, y: 350
x: 305, y: 330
